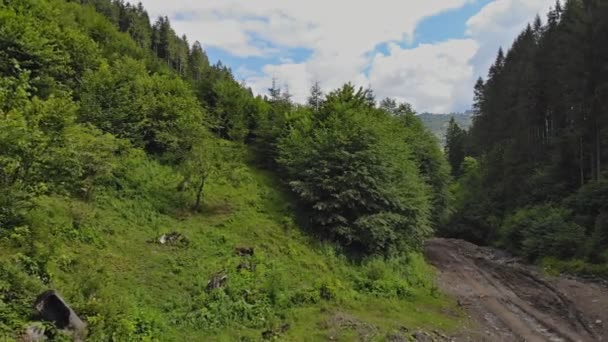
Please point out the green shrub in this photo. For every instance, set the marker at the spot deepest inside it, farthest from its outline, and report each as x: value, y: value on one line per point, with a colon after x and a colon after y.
x: 542, y: 231
x: 350, y: 167
x: 598, y: 242
x: 383, y: 279
x: 306, y: 296
x: 579, y: 267
x: 18, y: 289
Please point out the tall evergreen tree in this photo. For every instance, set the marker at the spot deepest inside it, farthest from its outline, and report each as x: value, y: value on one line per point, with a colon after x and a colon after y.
x: 315, y: 100
x: 455, y: 146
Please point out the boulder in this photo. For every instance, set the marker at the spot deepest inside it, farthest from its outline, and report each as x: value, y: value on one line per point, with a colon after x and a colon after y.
x: 34, y: 333
x: 217, y: 281
x: 53, y: 308
x: 173, y: 239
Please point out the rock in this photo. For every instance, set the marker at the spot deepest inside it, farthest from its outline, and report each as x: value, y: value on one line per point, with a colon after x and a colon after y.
x: 598, y: 322
x: 421, y: 336
x: 53, y: 308
x: 343, y: 321
x: 173, y: 239
x: 217, y: 281
x: 34, y: 333
x: 244, y: 251
x: 396, y: 338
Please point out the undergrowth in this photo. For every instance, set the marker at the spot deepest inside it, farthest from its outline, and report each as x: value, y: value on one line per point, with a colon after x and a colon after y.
x: 102, y: 256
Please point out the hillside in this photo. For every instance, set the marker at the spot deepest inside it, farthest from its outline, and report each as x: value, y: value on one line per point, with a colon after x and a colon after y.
x: 438, y: 123
x: 103, y: 256
x: 164, y: 202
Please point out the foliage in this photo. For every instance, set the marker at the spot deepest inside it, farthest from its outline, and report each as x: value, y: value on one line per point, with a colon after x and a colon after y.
x: 155, y: 112
x: 438, y: 123
x: 455, y: 148
x: 351, y: 169
x: 112, y: 128
x: 542, y: 230
x: 539, y: 136
x: 431, y: 163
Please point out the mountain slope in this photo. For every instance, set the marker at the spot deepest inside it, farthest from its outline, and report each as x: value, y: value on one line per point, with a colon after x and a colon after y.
x: 104, y: 259
x: 438, y: 123
x: 110, y: 147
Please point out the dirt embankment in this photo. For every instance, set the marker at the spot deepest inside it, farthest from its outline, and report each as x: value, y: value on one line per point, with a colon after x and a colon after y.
x: 509, y: 301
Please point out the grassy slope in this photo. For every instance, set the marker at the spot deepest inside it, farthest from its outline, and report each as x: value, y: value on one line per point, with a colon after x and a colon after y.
x: 98, y: 256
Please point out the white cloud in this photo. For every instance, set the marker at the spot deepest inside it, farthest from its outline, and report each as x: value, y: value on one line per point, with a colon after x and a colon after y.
x: 342, y: 33
x: 337, y: 25
x: 428, y: 76
x: 497, y: 25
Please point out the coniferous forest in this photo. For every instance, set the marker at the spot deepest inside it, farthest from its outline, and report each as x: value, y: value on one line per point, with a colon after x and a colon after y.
x: 531, y: 173
x: 166, y: 201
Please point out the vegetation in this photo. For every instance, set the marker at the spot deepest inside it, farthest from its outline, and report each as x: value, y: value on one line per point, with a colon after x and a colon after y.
x: 537, y: 184
x: 438, y: 123
x: 115, y: 131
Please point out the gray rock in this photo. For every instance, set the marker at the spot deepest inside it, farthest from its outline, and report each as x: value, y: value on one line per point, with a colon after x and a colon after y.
x: 34, y: 333
x: 173, y: 239
x: 421, y: 336
x: 217, y: 281
x: 53, y: 308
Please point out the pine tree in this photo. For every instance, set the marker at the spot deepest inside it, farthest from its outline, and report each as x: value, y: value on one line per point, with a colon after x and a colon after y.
x: 315, y: 100
x: 455, y: 146
x: 274, y: 91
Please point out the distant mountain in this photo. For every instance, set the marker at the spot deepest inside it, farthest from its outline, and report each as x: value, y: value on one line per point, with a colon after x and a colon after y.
x: 438, y: 123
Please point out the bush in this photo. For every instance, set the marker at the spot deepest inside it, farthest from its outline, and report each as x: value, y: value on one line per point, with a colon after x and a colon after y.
x: 474, y: 217
x: 383, y: 279
x: 590, y: 203
x: 17, y: 288
x: 542, y: 231
x: 598, y: 243
x: 351, y: 168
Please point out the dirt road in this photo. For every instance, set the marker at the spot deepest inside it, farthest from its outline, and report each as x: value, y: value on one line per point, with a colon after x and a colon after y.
x: 508, y: 301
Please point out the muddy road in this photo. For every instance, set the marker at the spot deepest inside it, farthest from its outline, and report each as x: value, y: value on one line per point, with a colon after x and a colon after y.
x: 508, y: 301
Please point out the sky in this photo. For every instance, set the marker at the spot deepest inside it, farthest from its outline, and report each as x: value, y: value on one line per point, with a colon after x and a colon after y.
x: 428, y: 53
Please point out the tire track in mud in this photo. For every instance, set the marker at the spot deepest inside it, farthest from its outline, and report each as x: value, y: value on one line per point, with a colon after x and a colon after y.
x: 509, y: 301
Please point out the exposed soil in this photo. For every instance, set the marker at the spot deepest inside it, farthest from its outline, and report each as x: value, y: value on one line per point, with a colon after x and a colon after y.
x: 510, y: 301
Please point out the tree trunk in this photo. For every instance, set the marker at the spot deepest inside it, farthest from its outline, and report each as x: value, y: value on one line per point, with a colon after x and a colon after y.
x: 598, y: 151
x: 199, y: 194
x: 581, y: 161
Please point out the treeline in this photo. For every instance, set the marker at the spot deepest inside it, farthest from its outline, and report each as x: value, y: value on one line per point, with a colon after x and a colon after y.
x: 83, y: 95
x: 537, y: 181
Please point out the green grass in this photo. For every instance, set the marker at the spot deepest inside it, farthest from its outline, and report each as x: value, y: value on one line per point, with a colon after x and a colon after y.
x: 554, y: 266
x: 97, y: 254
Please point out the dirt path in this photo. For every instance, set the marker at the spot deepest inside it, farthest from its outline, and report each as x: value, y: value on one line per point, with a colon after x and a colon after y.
x: 512, y: 302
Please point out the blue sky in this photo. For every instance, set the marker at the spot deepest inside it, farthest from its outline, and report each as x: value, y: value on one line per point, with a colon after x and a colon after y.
x: 427, y: 53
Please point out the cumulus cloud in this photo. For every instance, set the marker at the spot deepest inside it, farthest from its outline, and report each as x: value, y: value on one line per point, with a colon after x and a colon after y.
x: 340, y: 33
x: 428, y: 76
x: 497, y: 25
x: 342, y: 36
x: 338, y: 25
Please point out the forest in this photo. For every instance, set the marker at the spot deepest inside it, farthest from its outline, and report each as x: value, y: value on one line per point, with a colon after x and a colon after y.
x: 530, y: 172
x: 166, y: 201
x: 114, y: 129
